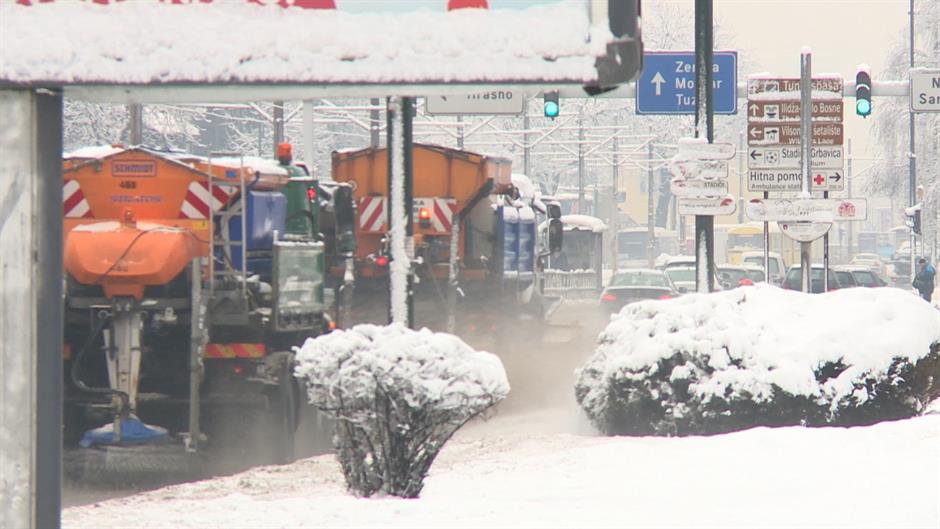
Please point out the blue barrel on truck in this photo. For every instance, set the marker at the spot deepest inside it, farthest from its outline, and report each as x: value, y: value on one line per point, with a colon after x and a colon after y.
x: 265, y: 213
x: 516, y: 238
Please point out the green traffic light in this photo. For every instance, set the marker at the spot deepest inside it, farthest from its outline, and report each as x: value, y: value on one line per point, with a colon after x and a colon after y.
x: 551, y: 109
x: 863, y: 107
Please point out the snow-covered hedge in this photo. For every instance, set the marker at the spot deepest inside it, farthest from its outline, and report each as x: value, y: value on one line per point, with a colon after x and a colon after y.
x: 709, y: 363
x: 397, y: 396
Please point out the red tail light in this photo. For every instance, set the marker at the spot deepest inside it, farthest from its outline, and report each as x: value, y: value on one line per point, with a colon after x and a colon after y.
x: 237, y: 369
x: 381, y: 261
x: 607, y: 296
x: 311, y: 193
x: 665, y: 296
x: 745, y: 283
x: 424, y: 214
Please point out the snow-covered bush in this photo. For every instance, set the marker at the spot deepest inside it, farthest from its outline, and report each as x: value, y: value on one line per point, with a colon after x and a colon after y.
x: 397, y: 396
x: 760, y: 355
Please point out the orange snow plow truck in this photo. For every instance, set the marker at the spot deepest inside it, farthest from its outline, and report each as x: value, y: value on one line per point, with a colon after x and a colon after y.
x: 471, y: 227
x: 188, y: 282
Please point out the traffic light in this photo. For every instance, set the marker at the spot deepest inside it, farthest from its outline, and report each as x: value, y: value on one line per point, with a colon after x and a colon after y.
x: 863, y: 91
x: 550, y: 104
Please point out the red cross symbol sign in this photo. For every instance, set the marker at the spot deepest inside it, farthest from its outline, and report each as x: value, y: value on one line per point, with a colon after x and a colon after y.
x: 819, y: 179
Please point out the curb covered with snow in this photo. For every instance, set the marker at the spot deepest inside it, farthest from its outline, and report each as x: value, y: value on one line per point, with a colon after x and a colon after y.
x: 690, y: 357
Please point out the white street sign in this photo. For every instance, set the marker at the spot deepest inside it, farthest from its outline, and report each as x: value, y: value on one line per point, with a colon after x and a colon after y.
x: 804, y: 231
x: 707, y: 206
x: 925, y: 90
x: 491, y: 102
x: 784, y: 157
x: 698, y: 188
x: 792, y: 179
x: 806, y: 209
x: 697, y: 149
x: 699, y: 169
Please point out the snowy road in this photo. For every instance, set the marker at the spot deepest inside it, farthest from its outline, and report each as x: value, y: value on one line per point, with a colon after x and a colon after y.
x: 541, y: 400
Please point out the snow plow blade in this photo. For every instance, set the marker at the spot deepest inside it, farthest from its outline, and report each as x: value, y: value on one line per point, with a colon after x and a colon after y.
x: 139, y: 464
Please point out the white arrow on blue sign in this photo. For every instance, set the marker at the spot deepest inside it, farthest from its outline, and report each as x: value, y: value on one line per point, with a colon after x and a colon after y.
x: 667, y: 83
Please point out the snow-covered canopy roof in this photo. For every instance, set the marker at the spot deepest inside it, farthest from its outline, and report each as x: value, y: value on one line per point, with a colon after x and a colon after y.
x: 249, y: 46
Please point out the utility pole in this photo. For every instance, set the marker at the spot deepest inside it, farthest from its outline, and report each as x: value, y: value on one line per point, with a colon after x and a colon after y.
x: 581, y: 206
x: 525, y: 137
x: 650, y: 217
x: 848, y: 183
x: 136, y: 115
x: 704, y: 115
x: 278, y: 125
x: 374, y: 123
x: 741, y: 154
x: 614, y: 209
x: 912, y: 155
x: 806, y: 139
x: 401, y: 242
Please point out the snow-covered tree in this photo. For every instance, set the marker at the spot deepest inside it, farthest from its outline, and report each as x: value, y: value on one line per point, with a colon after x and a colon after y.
x: 397, y: 396
x: 892, y: 124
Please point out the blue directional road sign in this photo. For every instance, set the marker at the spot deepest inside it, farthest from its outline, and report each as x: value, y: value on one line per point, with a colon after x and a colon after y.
x: 667, y: 83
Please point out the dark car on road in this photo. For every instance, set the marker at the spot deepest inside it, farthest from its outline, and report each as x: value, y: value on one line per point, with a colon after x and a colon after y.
x: 633, y: 285
x: 792, y: 280
x: 862, y: 276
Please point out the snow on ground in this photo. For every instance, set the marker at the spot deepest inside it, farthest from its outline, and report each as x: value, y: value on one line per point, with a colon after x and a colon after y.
x: 81, y: 42
x: 886, y: 475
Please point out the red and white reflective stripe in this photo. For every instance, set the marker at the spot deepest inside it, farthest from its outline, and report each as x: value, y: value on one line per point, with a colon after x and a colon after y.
x: 198, y: 200
x: 442, y: 212
x: 74, y: 205
x: 372, y: 214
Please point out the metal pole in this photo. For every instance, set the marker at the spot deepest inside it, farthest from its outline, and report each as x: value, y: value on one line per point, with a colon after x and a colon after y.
x: 912, y: 156
x: 309, y: 142
x: 825, y: 278
x: 374, y: 124
x: 848, y: 184
x: 407, y: 130
x: 741, y: 154
x: 806, y: 139
x: 399, y: 212
x: 704, y: 225
x: 136, y: 115
x: 525, y: 136
x: 196, y: 342
x: 278, y: 125
x: 581, y: 206
x: 614, y: 180
x: 766, y: 245
x: 650, y: 220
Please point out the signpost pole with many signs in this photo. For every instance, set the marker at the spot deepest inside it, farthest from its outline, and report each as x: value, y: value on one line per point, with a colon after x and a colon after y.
x: 704, y: 224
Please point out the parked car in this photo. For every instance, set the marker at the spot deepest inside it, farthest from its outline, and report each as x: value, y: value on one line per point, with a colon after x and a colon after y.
x: 637, y: 284
x: 792, y: 280
x: 732, y: 276
x: 863, y: 276
x: 871, y: 260
x: 846, y: 279
x: 755, y: 273
x: 777, y: 266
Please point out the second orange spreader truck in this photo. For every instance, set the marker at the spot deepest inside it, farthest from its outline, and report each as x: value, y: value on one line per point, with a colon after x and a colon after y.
x: 188, y: 281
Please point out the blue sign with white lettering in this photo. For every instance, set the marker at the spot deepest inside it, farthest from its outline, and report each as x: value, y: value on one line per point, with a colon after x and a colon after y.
x: 667, y: 83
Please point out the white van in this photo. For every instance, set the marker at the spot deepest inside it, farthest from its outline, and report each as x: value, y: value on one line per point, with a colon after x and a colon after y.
x: 778, y: 268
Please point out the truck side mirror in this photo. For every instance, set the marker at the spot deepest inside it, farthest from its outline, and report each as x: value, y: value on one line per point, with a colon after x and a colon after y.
x: 555, y: 235
x: 553, y: 211
x: 345, y: 223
